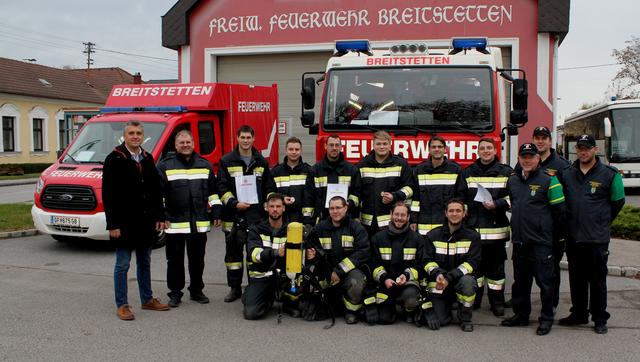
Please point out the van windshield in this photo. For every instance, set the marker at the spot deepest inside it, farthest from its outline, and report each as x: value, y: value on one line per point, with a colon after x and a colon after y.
x: 96, y: 140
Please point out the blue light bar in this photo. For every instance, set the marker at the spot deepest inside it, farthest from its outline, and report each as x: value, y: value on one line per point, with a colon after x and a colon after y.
x: 158, y: 109
x: 469, y: 43
x: 345, y: 46
x: 117, y: 109
x: 166, y: 109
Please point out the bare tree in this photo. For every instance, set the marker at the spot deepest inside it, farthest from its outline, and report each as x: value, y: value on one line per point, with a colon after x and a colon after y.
x: 627, y: 81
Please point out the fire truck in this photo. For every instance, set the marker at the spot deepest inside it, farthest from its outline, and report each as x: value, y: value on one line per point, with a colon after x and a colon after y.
x: 68, y: 195
x: 413, y: 92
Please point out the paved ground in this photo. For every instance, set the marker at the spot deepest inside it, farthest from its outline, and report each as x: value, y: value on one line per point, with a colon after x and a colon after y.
x: 57, y: 305
x: 17, y: 193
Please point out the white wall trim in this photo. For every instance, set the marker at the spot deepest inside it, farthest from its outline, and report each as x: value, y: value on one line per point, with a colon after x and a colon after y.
x: 185, y: 64
x: 543, y: 69
x: 59, y: 117
x: 39, y: 112
x: 10, y: 110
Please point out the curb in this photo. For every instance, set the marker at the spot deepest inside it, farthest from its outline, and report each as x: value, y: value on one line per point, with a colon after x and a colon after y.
x: 614, y: 270
x: 26, y: 181
x: 18, y: 234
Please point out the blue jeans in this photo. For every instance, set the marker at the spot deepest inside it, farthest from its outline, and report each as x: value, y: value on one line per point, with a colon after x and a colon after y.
x: 143, y: 272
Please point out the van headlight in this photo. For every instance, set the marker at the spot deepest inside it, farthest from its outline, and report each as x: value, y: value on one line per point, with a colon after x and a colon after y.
x: 39, y: 185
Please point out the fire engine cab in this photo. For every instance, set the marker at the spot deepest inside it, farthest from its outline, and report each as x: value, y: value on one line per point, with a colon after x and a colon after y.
x: 413, y: 92
x: 68, y: 195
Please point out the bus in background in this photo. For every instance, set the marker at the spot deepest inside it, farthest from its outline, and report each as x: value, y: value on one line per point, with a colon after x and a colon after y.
x: 616, y: 127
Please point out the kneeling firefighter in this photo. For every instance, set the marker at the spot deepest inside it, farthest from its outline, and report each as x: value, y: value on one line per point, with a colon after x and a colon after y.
x: 452, y: 254
x: 337, y: 249
x: 396, y: 258
x: 266, y: 253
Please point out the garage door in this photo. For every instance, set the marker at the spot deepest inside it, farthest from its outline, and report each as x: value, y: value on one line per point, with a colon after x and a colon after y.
x: 285, y: 70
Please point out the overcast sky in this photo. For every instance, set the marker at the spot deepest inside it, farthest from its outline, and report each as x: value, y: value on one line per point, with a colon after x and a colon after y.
x: 52, y: 32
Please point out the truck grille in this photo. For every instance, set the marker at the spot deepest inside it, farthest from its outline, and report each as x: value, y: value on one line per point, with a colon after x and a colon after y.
x: 65, y: 197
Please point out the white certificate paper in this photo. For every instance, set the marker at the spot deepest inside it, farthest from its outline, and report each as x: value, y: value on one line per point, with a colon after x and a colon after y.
x: 482, y: 195
x: 246, y: 189
x: 336, y: 190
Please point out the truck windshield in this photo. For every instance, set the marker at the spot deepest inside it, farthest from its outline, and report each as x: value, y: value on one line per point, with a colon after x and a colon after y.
x: 395, y: 98
x: 96, y: 140
x: 625, y: 135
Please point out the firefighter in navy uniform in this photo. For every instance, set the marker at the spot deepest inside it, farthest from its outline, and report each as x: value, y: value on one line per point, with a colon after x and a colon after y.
x: 266, y: 263
x: 290, y: 177
x: 332, y: 169
x: 343, y: 251
x: 595, y: 195
x: 397, y: 253
x: 244, y: 160
x: 385, y: 179
x: 490, y: 220
x: 537, y: 203
x: 451, y: 256
x: 553, y: 165
x: 437, y: 180
x: 191, y: 202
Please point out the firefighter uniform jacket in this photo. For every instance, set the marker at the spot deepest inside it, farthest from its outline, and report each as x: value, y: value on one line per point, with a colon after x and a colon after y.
x: 346, y: 247
x: 492, y: 225
x: 537, y: 203
x: 434, y: 186
x: 396, y: 253
x: 323, y: 173
x: 291, y: 182
x: 392, y: 175
x: 554, y: 164
x: 263, y: 243
x: 451, y: 254
x: 190, y: 192
x: 232, y: 166
x: 594, y: 199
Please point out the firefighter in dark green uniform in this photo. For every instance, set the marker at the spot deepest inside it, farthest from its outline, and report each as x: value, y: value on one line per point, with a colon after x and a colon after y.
x: 537, y: 202
x: 595, y: 196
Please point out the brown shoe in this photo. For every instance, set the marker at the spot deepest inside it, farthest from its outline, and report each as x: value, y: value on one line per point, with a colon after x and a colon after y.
x: 155, y: 304
x: 125, y: 313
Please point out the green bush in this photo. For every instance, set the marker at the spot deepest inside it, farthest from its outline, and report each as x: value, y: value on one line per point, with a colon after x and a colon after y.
x: 627, y: 224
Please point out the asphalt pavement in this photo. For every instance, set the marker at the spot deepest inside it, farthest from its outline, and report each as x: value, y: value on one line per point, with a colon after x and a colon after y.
x: 57, y: 305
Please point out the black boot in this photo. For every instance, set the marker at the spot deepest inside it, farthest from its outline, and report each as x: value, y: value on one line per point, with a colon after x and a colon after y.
x: 234, y: 294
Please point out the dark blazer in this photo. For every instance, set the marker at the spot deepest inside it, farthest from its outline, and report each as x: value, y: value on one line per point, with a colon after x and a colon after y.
x: 131, y: 197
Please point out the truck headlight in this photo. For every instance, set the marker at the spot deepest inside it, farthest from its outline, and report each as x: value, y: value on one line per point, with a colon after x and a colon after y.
x: 39, y: 185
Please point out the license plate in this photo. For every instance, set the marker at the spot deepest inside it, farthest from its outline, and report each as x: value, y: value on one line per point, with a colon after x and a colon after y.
x: 65, y: 221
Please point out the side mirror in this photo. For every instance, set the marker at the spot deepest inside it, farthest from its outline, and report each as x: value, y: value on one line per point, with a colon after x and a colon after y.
x: 309, y: 93
x: 307, y: 119
x: 519, y: 114
x: 607, y: 127
x: 59, y: 153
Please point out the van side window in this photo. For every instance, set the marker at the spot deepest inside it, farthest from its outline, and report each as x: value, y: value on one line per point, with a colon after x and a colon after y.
x: 170, y: 146
x: 207, y: 138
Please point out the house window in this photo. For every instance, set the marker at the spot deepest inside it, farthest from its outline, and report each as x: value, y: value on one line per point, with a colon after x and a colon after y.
x: 63, y: 133
x: 38, y: 139
x: 8, y: 128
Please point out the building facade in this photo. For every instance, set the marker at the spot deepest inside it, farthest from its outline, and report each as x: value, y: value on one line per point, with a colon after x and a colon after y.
x: 275, y: 41
x: 41, y: 108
